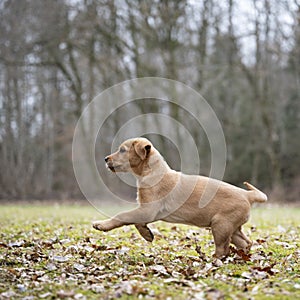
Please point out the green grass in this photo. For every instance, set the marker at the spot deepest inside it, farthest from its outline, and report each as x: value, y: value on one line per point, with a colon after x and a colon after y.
x: 51, y: 252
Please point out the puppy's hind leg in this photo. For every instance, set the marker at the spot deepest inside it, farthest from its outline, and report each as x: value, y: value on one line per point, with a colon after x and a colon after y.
x: 145, y: 232
x: 222, y: 233
x: 241, y: 241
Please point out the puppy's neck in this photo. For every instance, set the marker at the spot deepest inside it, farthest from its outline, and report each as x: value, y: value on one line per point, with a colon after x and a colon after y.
x: 157, y: 168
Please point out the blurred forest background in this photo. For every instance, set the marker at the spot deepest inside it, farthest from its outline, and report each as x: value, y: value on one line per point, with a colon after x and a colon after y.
x: 57, y: 55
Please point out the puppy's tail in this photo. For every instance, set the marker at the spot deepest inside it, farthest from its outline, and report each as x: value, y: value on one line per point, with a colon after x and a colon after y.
x: 255, y: 195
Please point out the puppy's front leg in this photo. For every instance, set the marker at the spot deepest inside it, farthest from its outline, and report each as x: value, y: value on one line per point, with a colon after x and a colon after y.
x: 141, y: 215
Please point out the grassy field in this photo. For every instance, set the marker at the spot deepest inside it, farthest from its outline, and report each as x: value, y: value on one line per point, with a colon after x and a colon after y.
x: 50, y: 252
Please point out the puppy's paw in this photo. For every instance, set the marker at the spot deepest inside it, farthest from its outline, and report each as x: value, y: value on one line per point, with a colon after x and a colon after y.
x: 145, y: 232
x: 101, y: 225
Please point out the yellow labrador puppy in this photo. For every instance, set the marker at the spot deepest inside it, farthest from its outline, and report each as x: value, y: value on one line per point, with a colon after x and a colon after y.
x: 168, y: 195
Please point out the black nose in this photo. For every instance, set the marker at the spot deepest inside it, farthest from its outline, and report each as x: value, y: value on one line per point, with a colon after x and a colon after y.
x: 106, y: 159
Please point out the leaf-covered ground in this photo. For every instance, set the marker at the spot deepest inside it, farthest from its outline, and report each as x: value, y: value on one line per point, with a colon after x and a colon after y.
x: 52, y: 252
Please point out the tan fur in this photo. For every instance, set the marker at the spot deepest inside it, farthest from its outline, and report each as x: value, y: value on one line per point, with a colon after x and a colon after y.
x: 164, y: 194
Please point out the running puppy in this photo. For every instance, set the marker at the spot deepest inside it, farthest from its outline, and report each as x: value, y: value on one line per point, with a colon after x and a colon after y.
x: 168, y: 195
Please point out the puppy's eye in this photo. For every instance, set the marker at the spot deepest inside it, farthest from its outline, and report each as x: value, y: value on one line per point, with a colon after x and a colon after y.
x: 122, y: 150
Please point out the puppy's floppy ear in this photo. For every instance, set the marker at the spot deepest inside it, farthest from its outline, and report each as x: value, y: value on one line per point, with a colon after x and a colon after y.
x: 142, y: 148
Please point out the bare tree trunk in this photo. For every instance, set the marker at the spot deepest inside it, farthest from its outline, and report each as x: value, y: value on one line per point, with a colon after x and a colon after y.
x: 203, y: 37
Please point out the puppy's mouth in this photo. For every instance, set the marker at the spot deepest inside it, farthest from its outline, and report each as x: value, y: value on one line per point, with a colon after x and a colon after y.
x: 112, y: 167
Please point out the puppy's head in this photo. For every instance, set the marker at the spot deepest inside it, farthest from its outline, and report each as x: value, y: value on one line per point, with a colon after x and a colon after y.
x: 132, y: 156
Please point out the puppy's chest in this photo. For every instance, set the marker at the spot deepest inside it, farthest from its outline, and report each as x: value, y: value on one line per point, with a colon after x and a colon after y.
x: 146, y: 195
x: 166, y: 203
